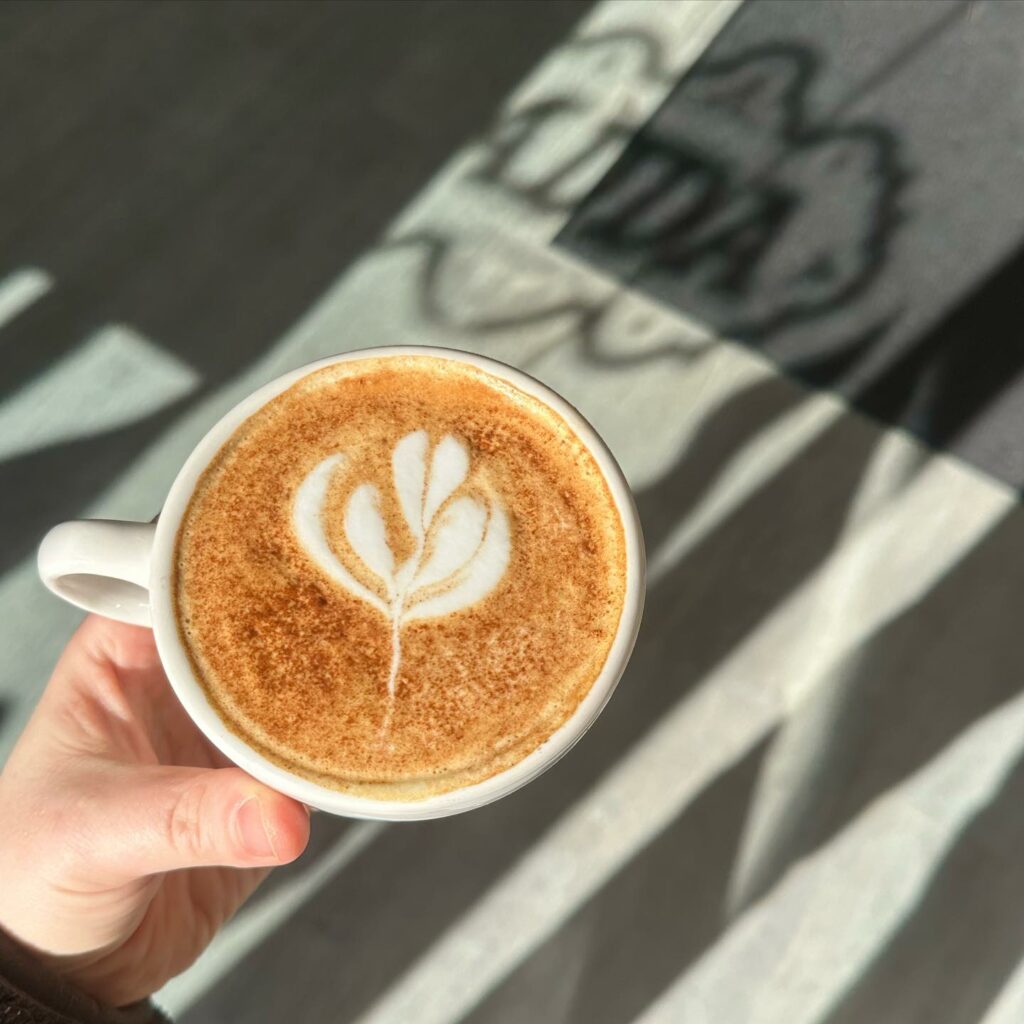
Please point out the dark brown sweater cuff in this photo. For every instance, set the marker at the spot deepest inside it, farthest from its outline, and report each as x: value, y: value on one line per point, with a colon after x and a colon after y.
x: 32, y: 994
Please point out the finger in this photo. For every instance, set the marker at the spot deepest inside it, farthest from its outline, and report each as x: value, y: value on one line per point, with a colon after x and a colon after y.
x: 163, y: 819
x: 102, y: 645
x: 116, y: 643
x: 127, y: 646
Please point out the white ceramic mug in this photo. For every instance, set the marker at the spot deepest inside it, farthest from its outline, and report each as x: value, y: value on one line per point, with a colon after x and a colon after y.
x: 124, y: 571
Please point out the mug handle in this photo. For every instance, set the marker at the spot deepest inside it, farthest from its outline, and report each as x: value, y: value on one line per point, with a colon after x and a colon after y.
x: 101, y: 565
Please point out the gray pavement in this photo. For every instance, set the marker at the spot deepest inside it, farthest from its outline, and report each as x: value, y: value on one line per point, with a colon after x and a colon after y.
x: 802, y: 805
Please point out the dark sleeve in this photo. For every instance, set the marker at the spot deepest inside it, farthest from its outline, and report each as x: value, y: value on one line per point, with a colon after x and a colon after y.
x: 32, y: 994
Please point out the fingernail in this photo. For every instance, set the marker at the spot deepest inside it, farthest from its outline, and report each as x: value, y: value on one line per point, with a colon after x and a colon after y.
x: 253, y: 830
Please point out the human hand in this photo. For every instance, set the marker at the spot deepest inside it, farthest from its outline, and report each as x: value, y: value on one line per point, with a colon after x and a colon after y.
x: 110, y: 791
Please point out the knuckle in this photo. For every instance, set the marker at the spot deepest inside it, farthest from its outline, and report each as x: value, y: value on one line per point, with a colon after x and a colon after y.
x: 187, y: 820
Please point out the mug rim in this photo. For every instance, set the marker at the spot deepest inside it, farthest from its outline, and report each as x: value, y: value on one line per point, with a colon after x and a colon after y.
x: 188, y: 689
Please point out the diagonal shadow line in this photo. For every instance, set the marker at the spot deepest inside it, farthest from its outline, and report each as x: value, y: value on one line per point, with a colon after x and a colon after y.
x: 39, y: 335
x: 915, y: 686
x: 922, y: 679
x: 936, y: 387
x: 57, y: 481
x: 861, y: 761
x: 656, y: 916
x: 323, y: 839
x: 951, y: 957
x: 960, y: 387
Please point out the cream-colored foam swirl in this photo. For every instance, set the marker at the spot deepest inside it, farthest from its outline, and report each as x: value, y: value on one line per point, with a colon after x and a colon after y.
x: 462, y: 547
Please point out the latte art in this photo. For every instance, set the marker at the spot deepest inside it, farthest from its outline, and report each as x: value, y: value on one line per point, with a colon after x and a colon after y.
x: 462, y: 545
x: 400, y: 576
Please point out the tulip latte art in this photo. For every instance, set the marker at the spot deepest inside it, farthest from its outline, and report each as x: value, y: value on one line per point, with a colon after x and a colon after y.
x: 400, y: 576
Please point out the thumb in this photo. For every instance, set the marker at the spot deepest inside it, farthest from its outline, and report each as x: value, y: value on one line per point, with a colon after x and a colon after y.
x: 171, y: 818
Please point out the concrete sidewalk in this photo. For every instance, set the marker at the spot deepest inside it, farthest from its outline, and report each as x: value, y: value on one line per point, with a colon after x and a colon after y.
x: 771, y: 251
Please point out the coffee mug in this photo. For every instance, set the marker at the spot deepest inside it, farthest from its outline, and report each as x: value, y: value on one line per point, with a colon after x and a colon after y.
x: 124, y: 570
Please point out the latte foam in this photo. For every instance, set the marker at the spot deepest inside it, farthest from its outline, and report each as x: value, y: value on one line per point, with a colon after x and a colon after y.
x: 400, y: 576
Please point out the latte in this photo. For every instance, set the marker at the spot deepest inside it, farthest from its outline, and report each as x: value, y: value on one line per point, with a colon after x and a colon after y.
x: 400, y: 576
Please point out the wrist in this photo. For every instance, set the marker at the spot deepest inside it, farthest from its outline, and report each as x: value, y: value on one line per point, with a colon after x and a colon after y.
x: 31, y: 987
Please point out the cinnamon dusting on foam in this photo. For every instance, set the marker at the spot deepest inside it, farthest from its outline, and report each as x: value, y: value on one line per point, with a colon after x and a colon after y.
x: 298, y: 665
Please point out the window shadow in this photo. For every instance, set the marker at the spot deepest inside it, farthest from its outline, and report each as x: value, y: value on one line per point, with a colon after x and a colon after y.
x: 952, y: 956
x: 655, y: 917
